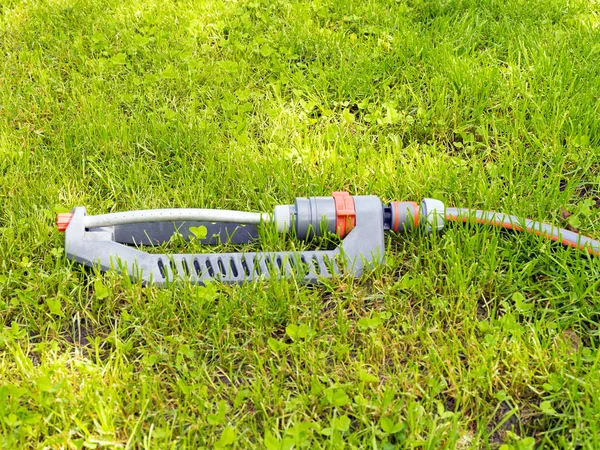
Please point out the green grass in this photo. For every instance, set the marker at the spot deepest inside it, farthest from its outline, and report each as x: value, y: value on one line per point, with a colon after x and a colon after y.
x: 469, y: 339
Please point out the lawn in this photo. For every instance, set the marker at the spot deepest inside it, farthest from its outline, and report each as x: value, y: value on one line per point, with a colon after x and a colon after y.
x: 472, y: 338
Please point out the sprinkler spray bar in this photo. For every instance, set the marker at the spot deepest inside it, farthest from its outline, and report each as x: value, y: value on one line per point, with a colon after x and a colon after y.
x: 109, y: 241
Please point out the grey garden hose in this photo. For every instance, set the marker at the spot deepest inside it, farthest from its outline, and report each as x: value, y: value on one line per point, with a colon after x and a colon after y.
x: 509, y: 222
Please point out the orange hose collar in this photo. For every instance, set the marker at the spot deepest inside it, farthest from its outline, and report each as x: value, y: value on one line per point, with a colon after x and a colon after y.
x: 345, y: 213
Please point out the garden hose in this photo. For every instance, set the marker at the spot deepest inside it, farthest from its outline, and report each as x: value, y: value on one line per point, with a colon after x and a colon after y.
x: 506, y: 221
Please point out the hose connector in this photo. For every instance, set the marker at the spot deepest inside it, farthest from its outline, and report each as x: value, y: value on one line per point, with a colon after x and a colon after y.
x: 308, y: 216
x: 401, y: 217
x: 317, y: 216
x: 432, y: 214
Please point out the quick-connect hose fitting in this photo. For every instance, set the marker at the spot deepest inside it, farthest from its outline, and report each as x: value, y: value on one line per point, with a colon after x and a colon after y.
x: 308, y: 216
x: 317, y: 216
x: 402, y: 217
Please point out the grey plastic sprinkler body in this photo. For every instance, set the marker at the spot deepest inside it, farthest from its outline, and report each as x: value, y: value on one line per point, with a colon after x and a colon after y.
x: 108, y: 241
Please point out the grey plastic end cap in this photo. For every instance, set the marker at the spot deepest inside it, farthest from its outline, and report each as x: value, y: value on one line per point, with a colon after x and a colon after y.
x: 282, y: 216
x: 433, y: 211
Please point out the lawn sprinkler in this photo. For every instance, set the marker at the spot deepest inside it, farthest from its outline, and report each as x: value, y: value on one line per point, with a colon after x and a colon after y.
x: 113, y: 241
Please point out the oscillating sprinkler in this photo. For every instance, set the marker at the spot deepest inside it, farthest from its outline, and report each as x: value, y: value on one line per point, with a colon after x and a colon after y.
x: 113, y: 241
